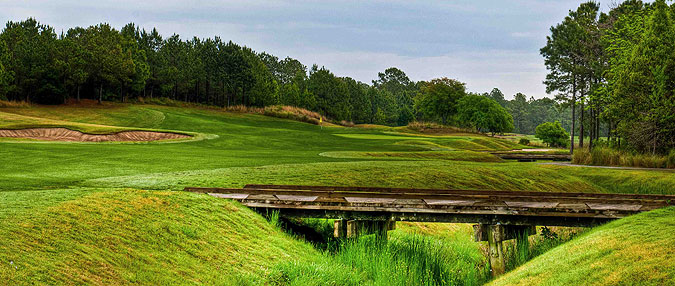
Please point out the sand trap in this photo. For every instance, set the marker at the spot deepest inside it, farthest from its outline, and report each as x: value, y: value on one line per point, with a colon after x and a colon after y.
x: 63, y: 134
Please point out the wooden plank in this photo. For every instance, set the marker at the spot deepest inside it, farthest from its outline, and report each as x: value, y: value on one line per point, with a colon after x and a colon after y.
x: 618, y: 207
x: 263, y: 197
x: 230, y: 196
x: 449, y: 202
x: 565, y: 200
x: 532, y: 204
x: 369, y: 200
x: 296, y: 198
x: 456, y: 191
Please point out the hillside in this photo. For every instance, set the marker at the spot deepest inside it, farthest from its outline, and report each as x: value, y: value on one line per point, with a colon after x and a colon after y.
x: 111, y: 237
x: 638, y: 250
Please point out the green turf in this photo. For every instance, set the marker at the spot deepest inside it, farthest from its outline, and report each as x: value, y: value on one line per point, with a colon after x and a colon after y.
x: 78, y: 208
x: 117, y: 237
x: 637, y: 250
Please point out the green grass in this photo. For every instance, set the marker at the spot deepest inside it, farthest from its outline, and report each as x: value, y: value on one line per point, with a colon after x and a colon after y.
x: 92, y: 213
x: 471, y: 156
x: 403, y: 259
x: 131, y: 236
x: 637, y: 250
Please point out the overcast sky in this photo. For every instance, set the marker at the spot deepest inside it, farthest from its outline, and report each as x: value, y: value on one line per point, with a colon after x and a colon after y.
x: 485, y: 44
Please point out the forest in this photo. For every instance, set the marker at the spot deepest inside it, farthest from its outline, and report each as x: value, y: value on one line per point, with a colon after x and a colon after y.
x: 102, y: 63
x: 616, y: 69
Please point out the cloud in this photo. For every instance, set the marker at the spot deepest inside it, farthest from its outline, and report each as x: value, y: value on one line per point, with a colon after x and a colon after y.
x: 483, y: 43
x: 510, y: 71
x: 522, y: 34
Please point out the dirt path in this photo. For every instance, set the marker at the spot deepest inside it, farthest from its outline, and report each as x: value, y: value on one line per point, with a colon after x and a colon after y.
x: 607, y: 167
x: 63, y: 134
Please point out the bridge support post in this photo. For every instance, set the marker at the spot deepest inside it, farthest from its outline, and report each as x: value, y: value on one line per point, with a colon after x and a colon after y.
x: 353, y: 228
x: 495, y: 236
x: 340, y: 228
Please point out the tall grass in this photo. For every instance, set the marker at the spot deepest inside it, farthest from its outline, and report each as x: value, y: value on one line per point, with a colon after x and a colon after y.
x: 431, y: 127
x: 547, y: 239
x: 404, y: 259
x: 605, y: 156
x: 5, y: 103
x: 414, y: 259
x: 288, y: 112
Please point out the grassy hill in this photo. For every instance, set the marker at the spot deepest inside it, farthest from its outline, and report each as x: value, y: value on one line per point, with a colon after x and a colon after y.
x: 128, y: 236
x: 638, y: 250
x: 109, y: 213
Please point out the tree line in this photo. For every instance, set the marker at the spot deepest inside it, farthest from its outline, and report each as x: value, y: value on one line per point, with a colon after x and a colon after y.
x: 102, y: 63
x: 616, y: 69
x: 529, y: 113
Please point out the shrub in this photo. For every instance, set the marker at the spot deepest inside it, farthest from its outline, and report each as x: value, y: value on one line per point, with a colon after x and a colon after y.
x: 670, y: 161
x: 286, y: 112
x: 431, y: 127
x: 484, y: 114
x: 524, y: 141
x: 581, y: 156
x: 347, y: 123
x: 553, y: 134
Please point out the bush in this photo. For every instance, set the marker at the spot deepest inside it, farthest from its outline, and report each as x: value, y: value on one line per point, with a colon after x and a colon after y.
x: 670, y: 161
x: 524, y: 141
x: 484, y: 114
x: 431, y: 127
x: 553, y: 134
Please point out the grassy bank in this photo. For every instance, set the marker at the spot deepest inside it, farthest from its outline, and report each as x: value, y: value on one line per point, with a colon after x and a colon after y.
x: 113, y: 237
x: 604, y: 156
x: 637, y: 250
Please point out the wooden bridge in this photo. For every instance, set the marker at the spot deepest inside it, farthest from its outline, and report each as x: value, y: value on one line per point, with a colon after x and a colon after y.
x: 498, y: 215
x: 531, y: 156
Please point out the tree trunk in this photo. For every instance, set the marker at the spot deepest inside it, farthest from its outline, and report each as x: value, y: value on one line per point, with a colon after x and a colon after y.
x: 208, y: 96
x: 574, y: 119
x: 597, y: 125
x: 581, y: 124
x: 152, y: 89
x: 78, y: 93
x: 592, y: 132
x: 197, y: 90
x: 100, y: 94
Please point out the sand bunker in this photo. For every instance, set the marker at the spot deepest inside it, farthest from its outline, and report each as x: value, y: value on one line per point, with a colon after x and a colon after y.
x: 63, y: 134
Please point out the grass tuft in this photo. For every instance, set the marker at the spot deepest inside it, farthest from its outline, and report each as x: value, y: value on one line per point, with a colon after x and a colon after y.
x: 14, y: 104
x: 605, y: 156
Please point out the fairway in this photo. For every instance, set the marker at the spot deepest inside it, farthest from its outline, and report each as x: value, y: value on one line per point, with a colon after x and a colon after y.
x: 109, y: 194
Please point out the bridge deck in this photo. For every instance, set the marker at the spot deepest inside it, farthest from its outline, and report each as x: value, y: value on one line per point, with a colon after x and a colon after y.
x: 532, y: 156
x: 437, y: 205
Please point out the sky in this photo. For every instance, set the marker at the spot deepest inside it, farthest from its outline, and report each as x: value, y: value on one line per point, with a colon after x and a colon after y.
x: 484, y: 44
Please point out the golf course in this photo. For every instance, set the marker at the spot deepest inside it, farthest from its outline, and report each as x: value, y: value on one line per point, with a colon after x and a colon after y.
x: 114, y: 212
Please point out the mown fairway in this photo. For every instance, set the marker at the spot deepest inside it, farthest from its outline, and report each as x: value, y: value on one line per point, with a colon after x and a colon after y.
x: 110, y: 212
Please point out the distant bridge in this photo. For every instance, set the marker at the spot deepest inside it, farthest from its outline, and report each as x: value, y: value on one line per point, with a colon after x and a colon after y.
x: 499, y: 215
x: 532, y: 156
